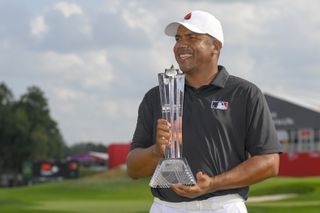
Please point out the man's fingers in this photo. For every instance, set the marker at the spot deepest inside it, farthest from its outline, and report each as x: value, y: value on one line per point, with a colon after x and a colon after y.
x: 163, y: 131
x: 163, y: 137
x: 163, y: 124
x: 178, y: 188
x: 199, y: 175
x: 186, y: 191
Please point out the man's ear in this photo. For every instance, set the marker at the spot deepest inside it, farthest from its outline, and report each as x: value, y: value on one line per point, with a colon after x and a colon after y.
x: 216, y: 47
x: 215, y: 50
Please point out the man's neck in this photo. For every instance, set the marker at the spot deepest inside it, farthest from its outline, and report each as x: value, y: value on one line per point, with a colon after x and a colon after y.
x: 198, y: 78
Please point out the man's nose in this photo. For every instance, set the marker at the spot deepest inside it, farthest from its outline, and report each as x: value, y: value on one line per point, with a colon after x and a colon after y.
x: 182, y: 44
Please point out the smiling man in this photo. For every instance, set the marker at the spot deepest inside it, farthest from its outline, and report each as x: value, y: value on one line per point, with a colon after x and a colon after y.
x: 229, y: 139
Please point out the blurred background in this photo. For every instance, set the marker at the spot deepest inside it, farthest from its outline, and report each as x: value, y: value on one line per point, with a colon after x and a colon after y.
x: 72, y: 75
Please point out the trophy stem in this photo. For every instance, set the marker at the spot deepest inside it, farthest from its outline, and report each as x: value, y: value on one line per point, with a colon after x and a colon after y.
x: 174, y: 107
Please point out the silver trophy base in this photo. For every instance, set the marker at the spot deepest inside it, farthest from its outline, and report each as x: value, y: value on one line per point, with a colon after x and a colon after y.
x: 172, y: 171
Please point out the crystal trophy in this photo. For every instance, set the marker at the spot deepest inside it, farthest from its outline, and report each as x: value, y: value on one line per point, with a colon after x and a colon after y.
x: 173, y: 168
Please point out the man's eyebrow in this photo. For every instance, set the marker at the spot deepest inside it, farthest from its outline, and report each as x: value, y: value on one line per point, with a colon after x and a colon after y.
x: 186, y: 34
x: 191, y: 34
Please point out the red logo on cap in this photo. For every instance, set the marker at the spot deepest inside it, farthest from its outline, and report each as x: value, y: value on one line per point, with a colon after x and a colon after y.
x: 188, y: 16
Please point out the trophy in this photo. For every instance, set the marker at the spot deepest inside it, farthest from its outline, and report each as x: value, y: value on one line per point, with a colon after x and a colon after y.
x: 173, y: 168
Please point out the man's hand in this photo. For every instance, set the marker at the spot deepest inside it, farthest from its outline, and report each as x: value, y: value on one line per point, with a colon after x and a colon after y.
x: 253, y: 170
x: 202, y: 186
x: 141, y: 162
x: 162, y: 137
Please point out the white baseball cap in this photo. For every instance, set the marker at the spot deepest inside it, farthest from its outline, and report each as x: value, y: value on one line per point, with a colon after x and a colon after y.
x: 199, y: 22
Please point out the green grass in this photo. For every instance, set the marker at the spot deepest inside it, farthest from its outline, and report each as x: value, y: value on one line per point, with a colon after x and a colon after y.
x: 113, y: 192
x: 306, y: 201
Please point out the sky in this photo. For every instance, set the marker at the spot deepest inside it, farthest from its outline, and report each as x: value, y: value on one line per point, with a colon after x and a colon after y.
x: 95, y: 60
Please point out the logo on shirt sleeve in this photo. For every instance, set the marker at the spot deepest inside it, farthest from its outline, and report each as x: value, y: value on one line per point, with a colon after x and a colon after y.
x: 222, y: 105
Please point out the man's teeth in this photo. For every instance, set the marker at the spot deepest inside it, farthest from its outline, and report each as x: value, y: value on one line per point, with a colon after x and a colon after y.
x: 184, y: 56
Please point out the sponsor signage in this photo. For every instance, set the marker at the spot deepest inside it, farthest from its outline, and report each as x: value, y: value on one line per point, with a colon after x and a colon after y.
x: 49, y: 169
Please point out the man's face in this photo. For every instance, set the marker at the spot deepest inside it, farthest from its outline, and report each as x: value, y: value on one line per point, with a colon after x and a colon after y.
x: 193, y: 51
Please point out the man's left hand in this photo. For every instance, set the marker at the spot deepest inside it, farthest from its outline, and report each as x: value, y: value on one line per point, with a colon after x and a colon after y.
x: 202, y: 186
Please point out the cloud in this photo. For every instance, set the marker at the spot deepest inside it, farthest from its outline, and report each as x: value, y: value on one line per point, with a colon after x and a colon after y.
x: 140, y: 19
x: 121, y: 33
x: 72, y: 29
x: 38, y: 27
x: 127, y: 108
x: 87, y: 69
x: 14, y: 22
x: 68, y: 9
x: 68, y: 94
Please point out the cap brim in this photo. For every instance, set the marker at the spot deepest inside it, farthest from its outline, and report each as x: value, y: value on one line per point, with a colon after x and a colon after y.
x: 172, y: 28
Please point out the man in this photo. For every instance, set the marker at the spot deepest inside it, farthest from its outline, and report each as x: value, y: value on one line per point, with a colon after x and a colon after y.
x: 229, y: 139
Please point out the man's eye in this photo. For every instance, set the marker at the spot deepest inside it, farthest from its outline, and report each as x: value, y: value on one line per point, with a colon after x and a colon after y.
x: 177, y: 38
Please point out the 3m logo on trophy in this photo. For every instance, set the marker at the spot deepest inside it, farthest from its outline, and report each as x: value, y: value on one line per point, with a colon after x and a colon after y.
x: 173, y: 168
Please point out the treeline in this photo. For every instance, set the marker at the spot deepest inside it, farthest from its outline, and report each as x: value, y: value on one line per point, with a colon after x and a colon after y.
x: 85, y: 147
x: 27, y: 131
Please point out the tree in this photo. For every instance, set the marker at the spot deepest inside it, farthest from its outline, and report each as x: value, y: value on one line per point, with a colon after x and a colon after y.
x: 6, y: 101
x: 27, y: 131
x: 44, y: 137
x: 6, y: 96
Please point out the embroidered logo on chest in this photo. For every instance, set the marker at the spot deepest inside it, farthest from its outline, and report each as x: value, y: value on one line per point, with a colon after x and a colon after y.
x: 222, y: 105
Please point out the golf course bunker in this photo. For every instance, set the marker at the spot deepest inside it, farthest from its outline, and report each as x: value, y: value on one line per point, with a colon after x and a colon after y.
x: 275, y: 197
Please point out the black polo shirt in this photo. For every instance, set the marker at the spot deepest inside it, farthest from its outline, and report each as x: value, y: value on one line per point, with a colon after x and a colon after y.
x: 223, y: 123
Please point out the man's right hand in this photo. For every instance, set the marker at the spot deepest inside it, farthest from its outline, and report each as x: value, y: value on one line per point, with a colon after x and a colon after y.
x: 162, y: 137
x: 141, y: 162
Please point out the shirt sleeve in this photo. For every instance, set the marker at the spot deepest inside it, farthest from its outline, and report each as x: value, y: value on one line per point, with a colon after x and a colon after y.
x: 144, y: 132
x: 261, y: 133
